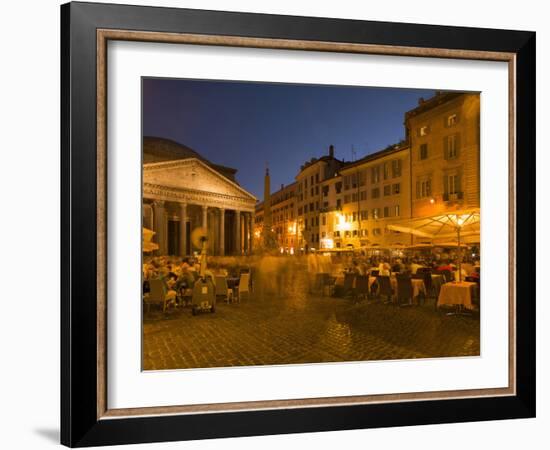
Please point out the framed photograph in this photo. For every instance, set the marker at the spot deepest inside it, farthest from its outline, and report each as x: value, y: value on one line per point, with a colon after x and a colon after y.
x: 276, y: 224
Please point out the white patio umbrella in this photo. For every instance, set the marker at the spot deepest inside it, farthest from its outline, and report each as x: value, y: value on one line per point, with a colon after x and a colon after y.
x: 447, y: 229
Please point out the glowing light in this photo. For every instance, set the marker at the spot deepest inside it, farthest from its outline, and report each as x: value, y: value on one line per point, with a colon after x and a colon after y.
x: 327, y: 243
x: 432, y: 200
x: 342, y: 225
x: 461, y: 220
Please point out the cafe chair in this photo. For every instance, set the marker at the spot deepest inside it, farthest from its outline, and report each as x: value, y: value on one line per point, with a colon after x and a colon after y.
x: 384, y: 287
x: 349, y: 279
x: 404, y: 290
x: 157, y: 295
x: 362, y: 286
x: 222, y: 290
x: 325, y: 284
x: 244, y: 286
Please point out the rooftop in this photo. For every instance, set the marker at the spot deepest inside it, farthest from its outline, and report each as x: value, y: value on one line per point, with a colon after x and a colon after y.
x: 157, y: 149
x: 438, y: 99
x: 390, y: 149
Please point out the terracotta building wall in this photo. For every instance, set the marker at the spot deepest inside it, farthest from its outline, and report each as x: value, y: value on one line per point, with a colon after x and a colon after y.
x: 438, y: 166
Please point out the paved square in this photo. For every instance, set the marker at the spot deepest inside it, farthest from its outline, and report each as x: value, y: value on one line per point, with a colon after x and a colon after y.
x: 303, y: 329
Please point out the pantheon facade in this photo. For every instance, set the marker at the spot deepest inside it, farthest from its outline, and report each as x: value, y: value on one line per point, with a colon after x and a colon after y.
x: 182, y: 192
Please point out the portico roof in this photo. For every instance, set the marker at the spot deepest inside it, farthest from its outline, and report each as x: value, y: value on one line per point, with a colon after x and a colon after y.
x: 191, y: 180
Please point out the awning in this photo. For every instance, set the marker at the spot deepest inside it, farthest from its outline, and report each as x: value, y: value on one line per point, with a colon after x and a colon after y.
x: 449, y: 228
x: 445, y: 230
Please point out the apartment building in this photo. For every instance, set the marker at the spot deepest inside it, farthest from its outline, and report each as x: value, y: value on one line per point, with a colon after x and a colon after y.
x: 375, y: 191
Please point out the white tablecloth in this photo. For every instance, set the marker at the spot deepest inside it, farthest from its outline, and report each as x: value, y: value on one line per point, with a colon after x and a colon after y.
x: 456, y: 294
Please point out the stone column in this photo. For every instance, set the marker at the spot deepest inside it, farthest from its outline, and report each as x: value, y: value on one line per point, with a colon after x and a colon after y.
x: 205, y: 218
x: 244, y: 234
x: 222, y: 231
x: 238, y: 248
x: 183, y: 229
x: 160, y: 226
x: 252, y: 224
x: 250, y: 232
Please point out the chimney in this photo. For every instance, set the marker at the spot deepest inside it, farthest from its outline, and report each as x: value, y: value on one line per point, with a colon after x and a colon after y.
x: 331, y: 151
x: 282, y: 186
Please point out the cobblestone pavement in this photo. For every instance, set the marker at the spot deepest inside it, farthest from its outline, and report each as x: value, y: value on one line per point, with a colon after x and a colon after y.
x: 303, y: 330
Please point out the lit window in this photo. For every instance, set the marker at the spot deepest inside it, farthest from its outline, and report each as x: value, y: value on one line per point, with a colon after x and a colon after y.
x: 452, y: 120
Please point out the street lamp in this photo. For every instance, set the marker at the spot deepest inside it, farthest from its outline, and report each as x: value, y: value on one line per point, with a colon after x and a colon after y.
x: 459, y: 220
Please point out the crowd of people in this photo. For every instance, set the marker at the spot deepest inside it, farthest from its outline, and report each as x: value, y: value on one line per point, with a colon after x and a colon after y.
x: 282, y: 274
x: 385, y: 266
x: 179, y: 274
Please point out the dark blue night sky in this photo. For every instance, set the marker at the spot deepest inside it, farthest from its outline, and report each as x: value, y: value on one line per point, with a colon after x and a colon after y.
x: 246, y: 125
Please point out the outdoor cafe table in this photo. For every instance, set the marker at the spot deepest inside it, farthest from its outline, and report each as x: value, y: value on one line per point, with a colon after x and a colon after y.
x: 456, y: 293
x: 417, y: 286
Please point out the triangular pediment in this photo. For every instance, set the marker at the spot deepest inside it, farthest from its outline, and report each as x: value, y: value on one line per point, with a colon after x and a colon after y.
x: 193, y: 174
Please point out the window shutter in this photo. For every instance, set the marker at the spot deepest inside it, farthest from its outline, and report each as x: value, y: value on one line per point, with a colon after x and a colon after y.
x: 458, y: 187
x: 446, y: 147
x: 457, y: 144
x: 446, y: 184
